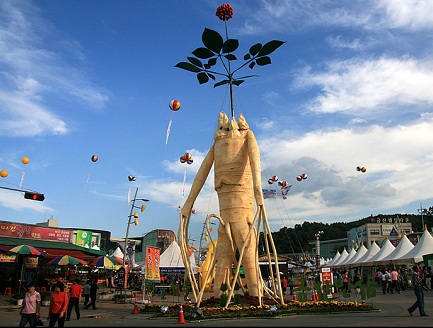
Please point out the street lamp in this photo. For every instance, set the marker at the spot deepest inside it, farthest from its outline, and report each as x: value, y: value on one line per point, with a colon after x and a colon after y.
x: 422, y: 211
x: 135, y: 216
x: 200, y: 249
x: 317, y: 235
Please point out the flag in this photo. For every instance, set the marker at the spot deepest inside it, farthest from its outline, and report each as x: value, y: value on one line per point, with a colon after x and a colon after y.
x: 269, y: 193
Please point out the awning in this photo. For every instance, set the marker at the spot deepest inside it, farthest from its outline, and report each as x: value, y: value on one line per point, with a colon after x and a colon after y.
x: 52, y: 248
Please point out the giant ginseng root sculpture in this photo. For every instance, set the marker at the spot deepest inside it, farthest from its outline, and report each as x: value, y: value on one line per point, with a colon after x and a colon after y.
x: 235, y: 156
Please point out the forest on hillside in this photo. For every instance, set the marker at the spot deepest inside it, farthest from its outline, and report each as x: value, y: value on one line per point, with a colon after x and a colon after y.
x: 297, y: 239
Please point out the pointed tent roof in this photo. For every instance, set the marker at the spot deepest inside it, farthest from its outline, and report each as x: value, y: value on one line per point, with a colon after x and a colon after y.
x: 337, y: 256
x: 359, y: 253
x: 172, y: 257
x: 372, y: 251
x: 385, y: 250
x: 342, y: 257
x: 348, y: 258
x: 403, y: 247
x: 117, y: 253
x: 423, y: 247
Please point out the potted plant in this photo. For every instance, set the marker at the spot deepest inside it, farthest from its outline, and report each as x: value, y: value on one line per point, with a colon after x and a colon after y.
x: 19, y: 297
x: 45, y: 298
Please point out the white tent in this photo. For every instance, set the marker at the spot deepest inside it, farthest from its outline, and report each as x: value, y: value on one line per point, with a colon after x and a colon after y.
x: 342, y: 257
x: 117, y: 253
x: 386, y: 249
x: 172, y: 258
x: 335, y: 258
x: 423, y: 247
x: 403, y: 247
x: 352, y: 253
x: 359, y: 253
x: 372, y: 251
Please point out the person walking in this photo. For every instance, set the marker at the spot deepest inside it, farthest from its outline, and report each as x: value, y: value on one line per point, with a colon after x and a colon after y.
x: 86, y: 294
x: 93, y: 292
x: 58, y: 306
x: 74, y: 299
x: 394, y: 281
x: 30, y: 310
x: 356, y: 283
x: 418, y: 286
x: 284, y: 284
x: 291, y: 283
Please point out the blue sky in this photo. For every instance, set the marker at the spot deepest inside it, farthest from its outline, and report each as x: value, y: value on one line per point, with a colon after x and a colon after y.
x: 351, y: 86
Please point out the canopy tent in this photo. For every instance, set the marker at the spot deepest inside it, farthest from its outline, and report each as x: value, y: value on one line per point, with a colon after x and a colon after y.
x: 372, y: 251
x: 359, y: 253
x: 423, y: 247
x: 334, y: 259
x: 386, y: 249
x: 403, y: 247
x: 342, y: 257
x: 171, y: 260
x: 117, y: 253
x: 352, y: 253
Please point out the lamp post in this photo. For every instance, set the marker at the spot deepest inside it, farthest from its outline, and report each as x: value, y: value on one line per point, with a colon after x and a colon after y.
x: 200, y: 249
x: 317, y: 235
x: 421, y: 211
x: 135, y: 215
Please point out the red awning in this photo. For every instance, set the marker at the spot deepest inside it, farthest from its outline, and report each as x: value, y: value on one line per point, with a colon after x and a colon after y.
x: 53, y: 252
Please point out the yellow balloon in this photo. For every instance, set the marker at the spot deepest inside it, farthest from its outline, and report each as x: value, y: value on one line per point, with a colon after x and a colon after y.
x: 4, y: 173
x: 25, y: 160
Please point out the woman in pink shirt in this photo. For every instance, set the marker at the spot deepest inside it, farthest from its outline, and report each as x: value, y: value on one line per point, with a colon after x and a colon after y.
x: 31, y: 306
x: 58, y: 306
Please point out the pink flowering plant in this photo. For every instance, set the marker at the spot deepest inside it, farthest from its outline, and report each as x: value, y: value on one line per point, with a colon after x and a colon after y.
x: 216, y: 50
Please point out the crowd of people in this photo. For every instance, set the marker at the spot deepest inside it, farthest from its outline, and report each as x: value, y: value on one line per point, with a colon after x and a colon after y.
x: 62, y: 302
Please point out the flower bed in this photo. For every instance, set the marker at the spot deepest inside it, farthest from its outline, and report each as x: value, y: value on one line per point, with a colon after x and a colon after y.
x: 249, y: 307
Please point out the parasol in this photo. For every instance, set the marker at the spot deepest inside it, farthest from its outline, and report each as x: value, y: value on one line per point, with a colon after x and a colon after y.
x: 27, y: 250
x: 104, y: 262
x: 66, y: 260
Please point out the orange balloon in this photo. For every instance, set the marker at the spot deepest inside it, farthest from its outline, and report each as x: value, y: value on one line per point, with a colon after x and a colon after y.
x: 4, y: 173
x: 25, y: 160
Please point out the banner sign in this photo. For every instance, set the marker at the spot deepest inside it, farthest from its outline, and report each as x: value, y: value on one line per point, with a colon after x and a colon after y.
x: 7, y: 258
x: 24, y: 231
x: 152, y: 264
x: 173, y: 270
x: 30, y: 262
x: 84, y: 238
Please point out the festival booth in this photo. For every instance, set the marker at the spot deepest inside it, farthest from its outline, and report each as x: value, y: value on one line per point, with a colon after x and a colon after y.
x: 171, y: 261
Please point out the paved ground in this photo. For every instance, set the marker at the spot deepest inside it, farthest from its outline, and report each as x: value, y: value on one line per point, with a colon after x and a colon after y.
x: 392, y: 313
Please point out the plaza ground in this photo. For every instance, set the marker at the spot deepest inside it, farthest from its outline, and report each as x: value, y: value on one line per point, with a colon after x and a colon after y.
x: 393, y: 313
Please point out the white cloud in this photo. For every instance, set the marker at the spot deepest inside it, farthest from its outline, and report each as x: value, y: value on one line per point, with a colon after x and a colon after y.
x: 369, y: 87
x: 30, y: 72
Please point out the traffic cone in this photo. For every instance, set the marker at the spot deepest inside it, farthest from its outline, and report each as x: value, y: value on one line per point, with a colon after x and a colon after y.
x: 135, y: 311
x: 181, y: 318
x: 316, y: 297
x: 295, y: 297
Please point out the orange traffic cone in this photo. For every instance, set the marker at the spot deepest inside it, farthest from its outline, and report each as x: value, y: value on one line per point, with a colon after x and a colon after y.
x: 135, y: 311
x: 316, y: 297
x: 181, y: 318
x: 295, y: 297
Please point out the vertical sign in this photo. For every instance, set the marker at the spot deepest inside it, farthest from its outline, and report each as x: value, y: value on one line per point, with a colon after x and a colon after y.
x: 152, y: 264
x: 326, y: 275
x: 84, y: 238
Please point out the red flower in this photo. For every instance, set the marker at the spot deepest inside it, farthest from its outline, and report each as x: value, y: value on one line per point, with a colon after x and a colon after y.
x: 224, y: 12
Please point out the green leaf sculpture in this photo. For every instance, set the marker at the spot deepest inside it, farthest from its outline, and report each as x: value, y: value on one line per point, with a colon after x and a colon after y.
x: 216, y: 50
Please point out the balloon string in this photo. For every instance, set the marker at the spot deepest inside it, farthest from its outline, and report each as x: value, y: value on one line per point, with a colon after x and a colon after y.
x: 87, y: 181
x: 168, y: 132
x: 22, y: 179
